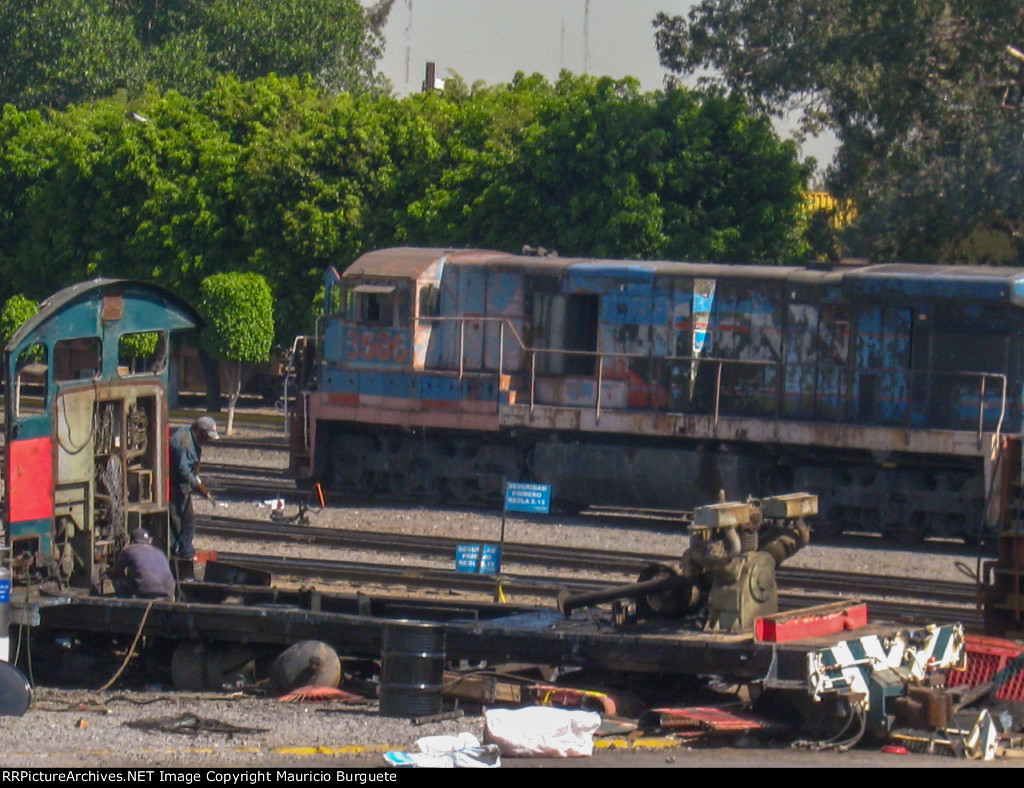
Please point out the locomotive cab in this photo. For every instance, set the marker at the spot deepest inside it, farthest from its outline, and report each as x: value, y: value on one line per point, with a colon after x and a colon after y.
x: 86, y: 430
x: 372, y: 320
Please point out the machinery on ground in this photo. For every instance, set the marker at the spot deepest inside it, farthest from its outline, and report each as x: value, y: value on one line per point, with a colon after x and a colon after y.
x: 725, y: 580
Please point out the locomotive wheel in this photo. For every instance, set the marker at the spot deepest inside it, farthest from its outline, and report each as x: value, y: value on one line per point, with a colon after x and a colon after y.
x: 970, y: 538
x: 463, y: 491
x: 571, y: 507
x: 904, y: 536
x: 369, y: 484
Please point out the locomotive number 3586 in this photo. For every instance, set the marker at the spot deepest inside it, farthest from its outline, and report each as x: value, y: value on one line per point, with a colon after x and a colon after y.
x: 371, y: 345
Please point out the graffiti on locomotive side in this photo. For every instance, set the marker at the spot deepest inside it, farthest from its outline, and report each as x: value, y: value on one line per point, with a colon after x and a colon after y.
x: 377, y: 345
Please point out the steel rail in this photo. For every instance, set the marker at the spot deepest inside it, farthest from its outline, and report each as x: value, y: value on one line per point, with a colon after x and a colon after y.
x: 625, y: 563
x: 917, y: 613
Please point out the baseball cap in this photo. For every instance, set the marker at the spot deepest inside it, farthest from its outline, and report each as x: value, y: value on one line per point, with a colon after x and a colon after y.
x: 209, y: 426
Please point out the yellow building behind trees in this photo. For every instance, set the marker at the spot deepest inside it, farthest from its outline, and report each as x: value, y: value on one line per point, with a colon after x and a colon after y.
x: 842, y: 211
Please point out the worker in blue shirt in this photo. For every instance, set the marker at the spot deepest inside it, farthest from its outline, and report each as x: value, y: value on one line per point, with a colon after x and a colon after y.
x: 142, y: 569
x: 186, y: 453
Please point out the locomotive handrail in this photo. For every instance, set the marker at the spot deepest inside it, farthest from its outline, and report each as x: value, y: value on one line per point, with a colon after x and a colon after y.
x: 289, y: 373
x: 842, y: 393
x: 500, y: 320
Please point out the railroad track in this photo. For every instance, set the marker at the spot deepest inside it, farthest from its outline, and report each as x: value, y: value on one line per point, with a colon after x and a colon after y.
x: 276, y: 444
x: 264, y: 483
x: 617, y: 565
x: 917, y: 613
x: 233, y: 471
x: 893, y: 598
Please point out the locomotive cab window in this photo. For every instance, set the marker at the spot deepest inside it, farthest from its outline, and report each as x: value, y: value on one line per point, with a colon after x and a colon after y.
x: 76, y: 359
x: 142, y: 353
x: 430, y: 301
x: 30, y: 382
x: 373, y: 304
x: 334, y: 298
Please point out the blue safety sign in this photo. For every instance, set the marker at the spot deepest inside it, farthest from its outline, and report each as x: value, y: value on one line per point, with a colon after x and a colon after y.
x: 528, y: 497
x: 482, y: 559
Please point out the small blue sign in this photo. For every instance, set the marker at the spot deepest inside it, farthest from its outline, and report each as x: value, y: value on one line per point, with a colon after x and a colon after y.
x: 528, y: 497
x: 481, y: 559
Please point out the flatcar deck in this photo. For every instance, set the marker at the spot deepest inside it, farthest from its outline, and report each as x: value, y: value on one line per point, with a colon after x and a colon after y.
x: 354, y: 625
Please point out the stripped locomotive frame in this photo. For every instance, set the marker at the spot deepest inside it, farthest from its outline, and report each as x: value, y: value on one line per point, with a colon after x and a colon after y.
x: 87, y: 429
x: 890, y: 391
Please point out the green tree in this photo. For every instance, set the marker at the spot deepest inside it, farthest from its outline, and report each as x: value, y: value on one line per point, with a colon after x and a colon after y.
x: 239, y: 313
x: 309, y: 173
x: 54, y: 53
x: 329, y: 39
x: 924, y: 98
x: 16, y: 310
x: 271, y: 176
x: 277, y: 178
x: 592, y: 166
x: 138, y: 350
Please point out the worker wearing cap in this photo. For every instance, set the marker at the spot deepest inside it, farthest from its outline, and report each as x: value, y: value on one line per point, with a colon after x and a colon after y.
x: 142, y: 570
x: 186, y: 452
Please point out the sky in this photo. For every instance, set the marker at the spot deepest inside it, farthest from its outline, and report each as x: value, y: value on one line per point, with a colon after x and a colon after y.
x: 490, y: 40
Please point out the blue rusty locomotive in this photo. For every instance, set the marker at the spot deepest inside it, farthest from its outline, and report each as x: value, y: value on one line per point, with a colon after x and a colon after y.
x: 86, y: 417
x: 893, y: 392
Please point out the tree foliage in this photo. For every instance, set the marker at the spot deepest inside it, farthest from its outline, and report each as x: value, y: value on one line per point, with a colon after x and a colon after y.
x: 239, y: 312
x: 54, y: 53
x: 275, y: 177
x: 592, y: 166
x: 140, y: 345
x: 924, y: 97
x: 16, y: 310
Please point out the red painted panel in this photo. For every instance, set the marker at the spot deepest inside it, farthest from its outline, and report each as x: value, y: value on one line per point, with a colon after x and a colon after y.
x: 987, y: 656
x: 812, y: 622
x: 30, y: 479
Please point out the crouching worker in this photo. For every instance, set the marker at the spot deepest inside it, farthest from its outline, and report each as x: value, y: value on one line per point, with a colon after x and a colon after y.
x: 142, y: 570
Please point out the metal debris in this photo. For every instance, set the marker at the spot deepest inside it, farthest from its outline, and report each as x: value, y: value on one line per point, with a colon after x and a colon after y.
x: 191, y: 725
x: 712, y: 719
x: 455, y: 714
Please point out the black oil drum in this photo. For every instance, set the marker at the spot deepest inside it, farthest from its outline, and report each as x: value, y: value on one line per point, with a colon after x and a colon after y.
x: 412, y: 669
